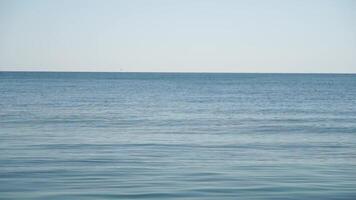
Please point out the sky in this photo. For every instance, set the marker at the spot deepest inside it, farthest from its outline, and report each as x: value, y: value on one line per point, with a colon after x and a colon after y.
x: 287, y: 36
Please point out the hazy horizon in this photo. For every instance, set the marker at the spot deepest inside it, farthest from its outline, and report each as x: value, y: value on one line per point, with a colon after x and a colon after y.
x: 174, y: 72
x: 179, y: 36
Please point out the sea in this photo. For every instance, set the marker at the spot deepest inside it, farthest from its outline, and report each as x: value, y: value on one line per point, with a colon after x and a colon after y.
x: 211, y: 136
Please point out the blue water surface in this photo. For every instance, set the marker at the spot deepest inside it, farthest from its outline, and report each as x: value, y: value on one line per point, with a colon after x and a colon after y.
x: 177, y: 136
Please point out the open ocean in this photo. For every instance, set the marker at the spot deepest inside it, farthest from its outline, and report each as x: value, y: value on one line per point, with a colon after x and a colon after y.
x: 67, y: 136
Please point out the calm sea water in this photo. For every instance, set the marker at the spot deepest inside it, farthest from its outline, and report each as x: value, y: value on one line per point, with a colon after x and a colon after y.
x: 177, y: 136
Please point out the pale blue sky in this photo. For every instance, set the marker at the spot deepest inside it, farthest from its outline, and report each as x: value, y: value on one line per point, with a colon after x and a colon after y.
x: 179, y: 35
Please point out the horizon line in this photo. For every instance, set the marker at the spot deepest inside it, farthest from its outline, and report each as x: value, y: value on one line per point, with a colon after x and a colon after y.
x: 168, y: 72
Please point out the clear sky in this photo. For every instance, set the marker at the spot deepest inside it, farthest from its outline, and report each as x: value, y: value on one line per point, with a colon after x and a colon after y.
x: 178, y: 35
